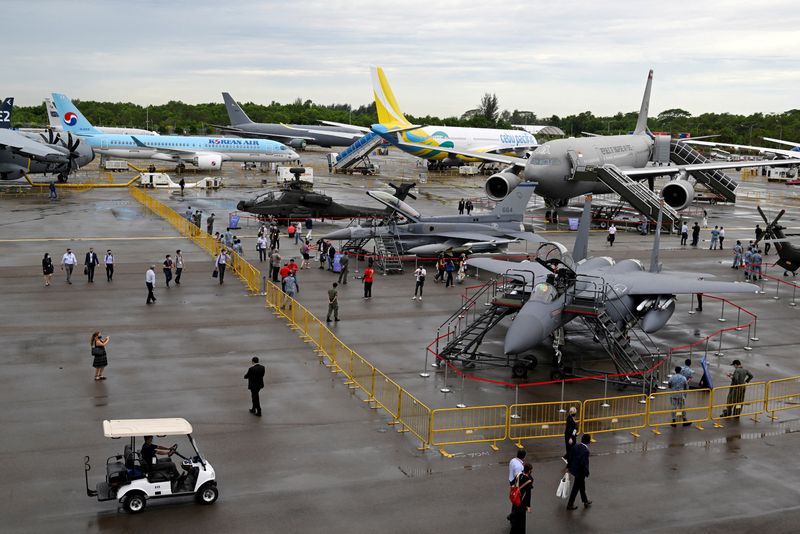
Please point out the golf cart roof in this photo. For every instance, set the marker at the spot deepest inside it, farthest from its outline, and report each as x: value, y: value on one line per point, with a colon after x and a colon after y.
x: 123, y: 428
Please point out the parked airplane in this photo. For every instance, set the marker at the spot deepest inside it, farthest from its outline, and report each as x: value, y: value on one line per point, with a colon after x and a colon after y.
x: 22, y: 154
x: 54, y: 119
x: 480, y: 232
x: 619, y: 294
x: 789, y: 255
x: 566, y: 168
x: 296, y: 136
x: 440, y: 144
x: 793, y: 153
x: 202, y: 152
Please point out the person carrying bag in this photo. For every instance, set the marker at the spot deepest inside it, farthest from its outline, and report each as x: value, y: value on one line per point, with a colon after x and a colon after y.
x: 520, y: 497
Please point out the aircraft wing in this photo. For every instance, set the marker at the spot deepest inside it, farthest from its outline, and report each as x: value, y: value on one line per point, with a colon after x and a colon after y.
x: 526, y: 236
x: 676, y: 169
x: 526, y: 269
x: 645, y: 283
x: 19, y: 144
x: 781, y: 142
x: 343, y: 125
x: 760, y: 149
x: 343, y: 135
x: 483, y: 156
x: 474, y: 237
x: 260, y: 135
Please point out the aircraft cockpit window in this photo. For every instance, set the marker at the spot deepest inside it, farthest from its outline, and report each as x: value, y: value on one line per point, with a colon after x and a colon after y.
x: 544, y: 292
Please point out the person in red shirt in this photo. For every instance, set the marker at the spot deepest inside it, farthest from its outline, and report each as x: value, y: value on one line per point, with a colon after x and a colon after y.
x: 291, y: 230
x: 369, y: 276
x: 283, y: 272
x: 293, y: 267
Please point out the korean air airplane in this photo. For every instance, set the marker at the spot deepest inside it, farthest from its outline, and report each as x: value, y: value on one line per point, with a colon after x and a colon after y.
x: 202, y: 152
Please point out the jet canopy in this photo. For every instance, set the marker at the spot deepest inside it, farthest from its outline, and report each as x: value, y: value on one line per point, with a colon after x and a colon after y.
x: 396, y: 204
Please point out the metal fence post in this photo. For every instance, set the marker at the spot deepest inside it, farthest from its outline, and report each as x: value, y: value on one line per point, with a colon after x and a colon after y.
x: 691, y: 306
x: 515, y: 415
x: 777, y: 290
x: 755, y: 329
x: 461, y: 404
x: 794, y: 290
x: 722, y: 313
x: 445, y: 389
x: 747, y: 341
x: 719, y: 347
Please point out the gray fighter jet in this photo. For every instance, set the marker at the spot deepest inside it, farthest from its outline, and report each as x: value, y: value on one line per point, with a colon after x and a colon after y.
x: 296, y: 136
x: 622, y: 293
x: 488, y: 232
x: 567, y: 168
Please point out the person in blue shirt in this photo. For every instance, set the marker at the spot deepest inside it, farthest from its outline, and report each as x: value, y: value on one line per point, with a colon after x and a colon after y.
x: 687, y: 370
x: 678, y: 385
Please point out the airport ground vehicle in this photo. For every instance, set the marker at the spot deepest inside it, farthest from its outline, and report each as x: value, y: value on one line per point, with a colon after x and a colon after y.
x: 132, y: 481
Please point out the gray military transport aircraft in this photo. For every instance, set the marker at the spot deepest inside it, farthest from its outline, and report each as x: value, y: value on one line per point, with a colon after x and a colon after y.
x: 485, y: 232
x: 296, y: 136
x: 567, y: 168
x: 620, y: 293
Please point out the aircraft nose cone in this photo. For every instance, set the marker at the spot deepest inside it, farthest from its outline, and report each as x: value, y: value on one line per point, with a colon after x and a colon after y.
x: 242, y: 205
x: 524, y: 333
x: 338, y: 235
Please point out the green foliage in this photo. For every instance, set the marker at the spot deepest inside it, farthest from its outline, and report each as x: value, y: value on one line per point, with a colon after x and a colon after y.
x: 182, y: 118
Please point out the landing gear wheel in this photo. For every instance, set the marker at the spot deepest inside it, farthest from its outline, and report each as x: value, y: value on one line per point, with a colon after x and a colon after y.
x: 62, y: 178
x: 207, y: 495
x: 519, y: 370
x: 533, y: 362
x: 134, y: 503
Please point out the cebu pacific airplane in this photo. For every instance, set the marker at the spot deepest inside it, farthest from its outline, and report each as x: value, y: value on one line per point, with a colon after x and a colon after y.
x: 396, y: 129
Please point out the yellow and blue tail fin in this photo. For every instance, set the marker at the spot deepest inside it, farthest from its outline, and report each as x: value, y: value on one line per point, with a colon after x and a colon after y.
x: 389, y: 113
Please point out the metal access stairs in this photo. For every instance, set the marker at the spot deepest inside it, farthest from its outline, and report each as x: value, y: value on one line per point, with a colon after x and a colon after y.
x: 636, y: 194
x: 717, y: 181
x: 357, y: 151
x: 389, y: 249
x: 355, y: 245
x: 464, y: 346
x: 616, y: 343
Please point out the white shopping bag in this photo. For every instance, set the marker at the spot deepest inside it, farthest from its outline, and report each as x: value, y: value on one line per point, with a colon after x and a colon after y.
x: 563, y: 487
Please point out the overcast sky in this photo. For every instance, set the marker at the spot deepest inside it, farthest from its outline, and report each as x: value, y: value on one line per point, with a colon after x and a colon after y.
x: 548, y: 57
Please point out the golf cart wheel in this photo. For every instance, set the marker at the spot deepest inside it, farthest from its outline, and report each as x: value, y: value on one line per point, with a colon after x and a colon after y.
x: 208, y: 494
x: 134, y: 503
x: 519, y: 370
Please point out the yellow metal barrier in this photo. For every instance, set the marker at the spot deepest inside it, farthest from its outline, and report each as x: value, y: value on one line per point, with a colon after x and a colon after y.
x: 362, y: 373
x: 386, y: 394
x: 539, y: 419
x: 673, y: 407
x: 730, y: 402
x: 415, y: 417
x: 783, y: 394
x: 611, y: 414
x: 480, y: 424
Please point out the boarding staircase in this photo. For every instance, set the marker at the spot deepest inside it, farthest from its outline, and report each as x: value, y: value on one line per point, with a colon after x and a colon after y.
x: 587, y: 298
x: 480, y: 312
x: 388, y: 250
x: 636, y: 194
x: 717, y: 180
x: 359, y: 150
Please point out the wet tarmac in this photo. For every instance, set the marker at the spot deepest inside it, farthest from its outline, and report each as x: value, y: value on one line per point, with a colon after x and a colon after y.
x: 320, y: 460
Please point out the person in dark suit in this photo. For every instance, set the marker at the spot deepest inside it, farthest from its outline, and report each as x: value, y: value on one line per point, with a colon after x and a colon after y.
x: 255, y: 383
x: 578, y: 467
x: 518, y: 513
x: 91, y: 261
x: 570, y: 431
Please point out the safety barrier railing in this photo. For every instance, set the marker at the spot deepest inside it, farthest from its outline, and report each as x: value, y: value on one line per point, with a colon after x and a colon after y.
x: 729, y: 402
x: 540, y: 420
x: 612, y: 414
x: 678, y: 407
x: 480, y: 424
x: 782, y: 394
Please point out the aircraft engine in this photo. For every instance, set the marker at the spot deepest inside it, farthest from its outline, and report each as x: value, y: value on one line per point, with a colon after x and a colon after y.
x: 208, y: 161
x: 655, y: 319
x: 297, y: 144
x: 499, y: 185
x: 678, y: 194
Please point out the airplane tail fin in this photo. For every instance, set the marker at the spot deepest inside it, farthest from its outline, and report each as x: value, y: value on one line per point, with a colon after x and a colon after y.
x: 389, y: 113
x: 580, y: 251
x: 53, y: 116
x: 5, y: 112
x: 515, y: 203
x: 235, y: 112
x: 72, y: 120
x: 641, y: 122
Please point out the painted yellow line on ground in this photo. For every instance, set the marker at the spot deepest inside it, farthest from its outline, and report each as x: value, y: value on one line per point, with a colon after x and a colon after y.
x: 40, y: 239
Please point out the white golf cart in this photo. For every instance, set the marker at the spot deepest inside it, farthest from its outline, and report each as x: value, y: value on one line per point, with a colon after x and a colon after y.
x: 133, y: 481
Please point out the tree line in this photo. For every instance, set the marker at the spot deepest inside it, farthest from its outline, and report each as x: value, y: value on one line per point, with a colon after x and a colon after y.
x: 188, y: 119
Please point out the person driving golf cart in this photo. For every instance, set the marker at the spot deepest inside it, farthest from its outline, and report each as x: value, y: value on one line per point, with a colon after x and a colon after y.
x: 152, y: 464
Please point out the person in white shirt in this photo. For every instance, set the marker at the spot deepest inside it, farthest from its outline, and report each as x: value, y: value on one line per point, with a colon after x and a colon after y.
x: 261, y: 245
x: 612, y: 234
x: 150, y: 282
x: 684, y: 233
x: 109, y: 262
x: 178, y: 266
x: 68, y: 261
x: 515, y: 467
x: 419, y: 276
x: 221, y: 263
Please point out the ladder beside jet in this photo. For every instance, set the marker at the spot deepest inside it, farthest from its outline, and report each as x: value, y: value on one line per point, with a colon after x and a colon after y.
x: 716, y: 180
x: 360, y: 150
